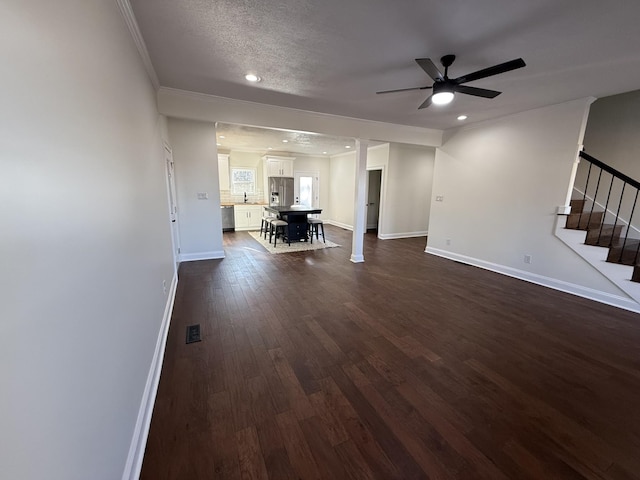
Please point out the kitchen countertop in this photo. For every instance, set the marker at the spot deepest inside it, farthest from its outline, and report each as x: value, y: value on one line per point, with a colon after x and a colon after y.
x: 232, y: 204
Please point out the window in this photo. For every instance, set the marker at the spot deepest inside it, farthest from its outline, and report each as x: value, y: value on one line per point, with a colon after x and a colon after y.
x: 306, y: 191
x: 243, y: 180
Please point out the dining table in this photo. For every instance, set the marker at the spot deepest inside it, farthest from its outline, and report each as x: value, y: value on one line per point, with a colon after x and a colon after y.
x: 296, y: 217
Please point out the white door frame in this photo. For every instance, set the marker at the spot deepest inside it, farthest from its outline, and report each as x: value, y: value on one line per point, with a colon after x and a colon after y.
x: 381, y: 204
x: 172, y: 204
x: 316, y: 185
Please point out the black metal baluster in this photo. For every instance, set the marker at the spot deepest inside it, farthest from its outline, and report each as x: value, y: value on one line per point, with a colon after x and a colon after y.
x: 615, y: 220
x: 586, y: 185
x: 624, y: 243
x: 593, y: 203
x: 606, y: 208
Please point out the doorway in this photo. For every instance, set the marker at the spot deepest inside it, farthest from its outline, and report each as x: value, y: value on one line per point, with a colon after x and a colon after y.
x: 306, y: 189
x: 374, y: 187
x: 173, y: 209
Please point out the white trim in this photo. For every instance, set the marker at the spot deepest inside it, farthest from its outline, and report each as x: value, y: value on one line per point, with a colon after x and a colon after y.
x: 339, y: 224
x: 134, y: 29
x: 391, y: 236
x: 578, y: 290
x: 173, y: 102
x: 193, y: 257
x: 618, y: 274
x: 357, y: 258
x: 141, y: 431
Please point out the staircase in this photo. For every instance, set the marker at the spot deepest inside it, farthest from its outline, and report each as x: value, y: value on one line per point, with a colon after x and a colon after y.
x: 603, y: 228
x: 623, y: 251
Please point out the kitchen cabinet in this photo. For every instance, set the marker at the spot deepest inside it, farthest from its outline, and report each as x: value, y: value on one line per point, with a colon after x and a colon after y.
x: 278, y: 166
x: 223, y: 171
x: 247, y: 217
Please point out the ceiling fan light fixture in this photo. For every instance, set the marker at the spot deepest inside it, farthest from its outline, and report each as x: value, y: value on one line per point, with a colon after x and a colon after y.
x: 252, y: 77
x: 442, y: 98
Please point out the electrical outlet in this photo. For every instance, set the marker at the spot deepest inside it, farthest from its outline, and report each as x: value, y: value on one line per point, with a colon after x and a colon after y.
x: 164, y: 286
x: 527, y: 259
x: 439, y: 198
x: 203, y: 196
x: 448, y: 241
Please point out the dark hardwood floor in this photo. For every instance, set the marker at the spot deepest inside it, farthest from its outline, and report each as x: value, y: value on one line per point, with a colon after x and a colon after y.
x: 406, y: 366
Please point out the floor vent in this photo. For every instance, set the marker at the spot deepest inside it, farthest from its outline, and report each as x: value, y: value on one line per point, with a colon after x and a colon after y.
x: 193, y: 333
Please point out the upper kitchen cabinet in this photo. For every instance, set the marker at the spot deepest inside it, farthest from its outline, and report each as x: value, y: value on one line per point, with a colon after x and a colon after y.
x: 278, y: 166
x: 223, y: 171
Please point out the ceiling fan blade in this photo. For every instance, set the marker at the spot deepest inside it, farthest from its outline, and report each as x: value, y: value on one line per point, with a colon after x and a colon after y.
x: 478, y: 92
x: 490, y: 71
x: 426, y: 103
x: 403, y: 89
x: 428, y: 66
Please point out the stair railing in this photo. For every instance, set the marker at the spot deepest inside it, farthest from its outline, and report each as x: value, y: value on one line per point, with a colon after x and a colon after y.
x: 626, y: 208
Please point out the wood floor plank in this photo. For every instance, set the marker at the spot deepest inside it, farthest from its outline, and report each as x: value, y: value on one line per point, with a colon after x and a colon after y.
x: 400, y: 427
x: 406, y: 366
x: 333, y: 428
x: 327, y: 460
x: 250, y: 457
x: 300, y: 455
x: 295, y: 393
x: 275, y: 454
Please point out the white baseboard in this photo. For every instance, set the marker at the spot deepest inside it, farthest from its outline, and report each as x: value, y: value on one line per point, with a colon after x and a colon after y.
x: 141, y: 431
x: 392, y: 236
x: 381, y: 236
x: 357, y: 258
x: 338, y: 224
x: 193, y: 257
x: 580, y: 291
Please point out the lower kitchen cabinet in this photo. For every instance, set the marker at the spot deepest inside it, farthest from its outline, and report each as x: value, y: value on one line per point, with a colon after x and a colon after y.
x: 247, y: 217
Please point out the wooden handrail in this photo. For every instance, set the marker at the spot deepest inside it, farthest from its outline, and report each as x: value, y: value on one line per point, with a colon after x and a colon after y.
x: 609, y: 169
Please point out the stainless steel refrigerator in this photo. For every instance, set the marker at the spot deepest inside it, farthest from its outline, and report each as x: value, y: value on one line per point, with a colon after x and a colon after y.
x: 280, y: 191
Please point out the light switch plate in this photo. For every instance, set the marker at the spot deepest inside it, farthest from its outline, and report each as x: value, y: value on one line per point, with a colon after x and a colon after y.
x: 203, y: 196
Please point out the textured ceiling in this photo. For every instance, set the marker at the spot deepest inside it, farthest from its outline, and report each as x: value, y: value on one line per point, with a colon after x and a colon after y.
x: 263, y: 141
x: 332, y: 56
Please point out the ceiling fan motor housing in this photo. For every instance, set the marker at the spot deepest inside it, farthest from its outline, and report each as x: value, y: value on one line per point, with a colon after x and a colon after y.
x: 443, y: 86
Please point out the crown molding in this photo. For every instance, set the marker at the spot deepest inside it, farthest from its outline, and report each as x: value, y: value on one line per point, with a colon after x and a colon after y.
x: 132, y: 25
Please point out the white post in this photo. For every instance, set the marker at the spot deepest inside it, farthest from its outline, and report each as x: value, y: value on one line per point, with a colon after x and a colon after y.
x: 566, y: 208
x: 359, y: 214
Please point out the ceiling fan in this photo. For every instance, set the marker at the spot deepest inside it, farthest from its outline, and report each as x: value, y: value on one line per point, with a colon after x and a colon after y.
x: 444, y: 87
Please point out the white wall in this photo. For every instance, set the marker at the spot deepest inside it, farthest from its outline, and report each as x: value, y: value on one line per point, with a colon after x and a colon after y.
x: 321, y: 165
x: 408, y: 191
x: 612, y: 137
x: 342, y: 178
x: 502, y: 181
x: 612, y: 134
x: 407, y: 175
x: 85, y: 243
x: 196, y: 171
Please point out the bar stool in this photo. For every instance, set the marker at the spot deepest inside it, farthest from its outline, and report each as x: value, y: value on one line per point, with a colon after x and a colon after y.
x: 314, y: 224
x: 265, y: 225
x: 278, y: 226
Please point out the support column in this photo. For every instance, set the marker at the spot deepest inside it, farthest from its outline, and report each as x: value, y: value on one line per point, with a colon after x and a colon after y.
x: 566, y: 208
x: 360, y: 213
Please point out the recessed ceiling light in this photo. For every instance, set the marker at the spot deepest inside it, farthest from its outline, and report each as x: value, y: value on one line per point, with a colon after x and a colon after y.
x: 324, y: 153
x: 347, y: 146
x: 270, y: 148
x: 462, y: 117
x: 252, y: 77
x: 220, y: 136
x: 285, y: 141
x: 219, y: 144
